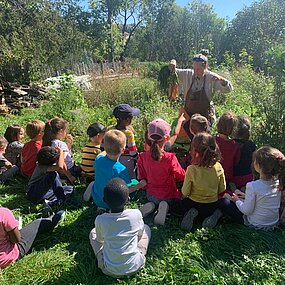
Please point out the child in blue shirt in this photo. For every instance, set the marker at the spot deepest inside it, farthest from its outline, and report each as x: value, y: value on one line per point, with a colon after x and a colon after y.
x: 107, y: 167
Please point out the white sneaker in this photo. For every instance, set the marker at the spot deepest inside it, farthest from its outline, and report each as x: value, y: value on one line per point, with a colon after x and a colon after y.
x: 162, y: 211
x: 188, y: 219
x: 211, y: 221
x: 147, y: 209
x: 87, y: 193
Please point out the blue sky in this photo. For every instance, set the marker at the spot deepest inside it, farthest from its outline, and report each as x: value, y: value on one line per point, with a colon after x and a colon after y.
x: 224, y: 8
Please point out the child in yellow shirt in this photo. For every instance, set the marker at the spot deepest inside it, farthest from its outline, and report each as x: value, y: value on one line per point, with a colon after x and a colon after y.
x: 203, y: 182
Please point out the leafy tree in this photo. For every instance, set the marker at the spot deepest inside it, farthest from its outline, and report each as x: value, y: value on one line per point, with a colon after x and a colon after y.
x: 33, y: 33
x: 256, y: 28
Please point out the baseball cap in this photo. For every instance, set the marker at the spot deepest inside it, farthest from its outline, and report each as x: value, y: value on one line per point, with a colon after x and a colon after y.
x: 158, y: 127
x: 95, y: 129
x: 125, y: 110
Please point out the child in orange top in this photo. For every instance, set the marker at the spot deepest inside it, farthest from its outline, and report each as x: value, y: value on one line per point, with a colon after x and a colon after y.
x: 35, y: 131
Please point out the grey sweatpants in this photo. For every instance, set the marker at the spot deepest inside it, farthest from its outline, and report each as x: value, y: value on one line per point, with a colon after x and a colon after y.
x: 98, y: 248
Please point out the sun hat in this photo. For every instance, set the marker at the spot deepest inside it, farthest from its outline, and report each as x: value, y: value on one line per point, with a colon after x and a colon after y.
x: 123, y: 111
x: 158, y: 128
x: 173, y: 62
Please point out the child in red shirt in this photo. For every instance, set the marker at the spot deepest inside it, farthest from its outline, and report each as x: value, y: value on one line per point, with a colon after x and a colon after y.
x: 229, y: 148
x: 35, y: 131
x: 160, y: 169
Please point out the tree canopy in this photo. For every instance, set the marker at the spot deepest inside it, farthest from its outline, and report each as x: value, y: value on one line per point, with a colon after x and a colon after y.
x: 58, y: 34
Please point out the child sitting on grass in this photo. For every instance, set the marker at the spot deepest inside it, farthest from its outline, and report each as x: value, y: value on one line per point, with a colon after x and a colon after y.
x: 168, y: 145
x: 243, y: 170
x: 35, y: 131
x: 197, y: 124
x: 7, y: 170
x: 124, y: 114
x: 55, y: 132
x: 14, y: 134
x: 230, y: 149
x: 259, y: 206
x: 45, y: 185
x: 107, y: 166
x: 161, y: 170
x: 15, y: 243
x: 203, y: 182
x: 120, y: 238
x: 96, y: 133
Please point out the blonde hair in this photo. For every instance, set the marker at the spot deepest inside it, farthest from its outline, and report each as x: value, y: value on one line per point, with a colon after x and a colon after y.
x: 114, y: 142
x: 34, y: 127
x: 3, y: 142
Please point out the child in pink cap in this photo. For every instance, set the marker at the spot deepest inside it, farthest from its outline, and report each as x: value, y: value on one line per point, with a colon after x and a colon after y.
x: 161, y: 170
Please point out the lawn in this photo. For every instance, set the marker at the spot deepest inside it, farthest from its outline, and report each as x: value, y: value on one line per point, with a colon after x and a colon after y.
x: 227, y: 254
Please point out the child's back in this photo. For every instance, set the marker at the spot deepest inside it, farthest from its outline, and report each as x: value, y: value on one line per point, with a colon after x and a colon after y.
x: 161, y: 175
x: 106, y: 169
x: 35, y: 131
x: 92, y: 149
x: 120, y: 239
x: 230, y: 151
x: 203, y: 184
x: 120, y: 233
x: 243, y: 170
x: 262, y: 202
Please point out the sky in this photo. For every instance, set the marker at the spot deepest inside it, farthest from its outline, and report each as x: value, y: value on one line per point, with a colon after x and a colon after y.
x: 224, y: 8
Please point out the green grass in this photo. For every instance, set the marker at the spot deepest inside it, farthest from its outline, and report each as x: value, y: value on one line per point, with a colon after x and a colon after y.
x: 228, y: 254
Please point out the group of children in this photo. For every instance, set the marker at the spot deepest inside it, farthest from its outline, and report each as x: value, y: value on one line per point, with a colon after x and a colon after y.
x: 217, y: 178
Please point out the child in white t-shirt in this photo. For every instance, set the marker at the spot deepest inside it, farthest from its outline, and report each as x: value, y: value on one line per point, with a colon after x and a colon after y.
x: 259, y: 206
x: 55, y: 132
x: 120, y: 238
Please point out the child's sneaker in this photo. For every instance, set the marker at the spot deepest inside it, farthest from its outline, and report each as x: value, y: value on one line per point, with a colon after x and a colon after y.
x: 162, y: 211
x: 58, y: 217
x: 187, y: 221
x: 212, y: 220
x: 147, y: 209
x: 100, y: 211
x: 87, y: 193
x: 47, y: 210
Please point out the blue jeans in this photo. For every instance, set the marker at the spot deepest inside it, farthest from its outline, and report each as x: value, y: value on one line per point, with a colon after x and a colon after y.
x: 230, y: 209
x: 50, y: 181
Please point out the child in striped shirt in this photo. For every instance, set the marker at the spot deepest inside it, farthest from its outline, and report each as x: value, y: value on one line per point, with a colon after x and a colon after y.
x: 96, y: 133
x: 124, y: 114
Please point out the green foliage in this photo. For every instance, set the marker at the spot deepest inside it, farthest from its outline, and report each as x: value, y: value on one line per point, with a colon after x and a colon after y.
x: 227, y: 254
x: 256, y: 28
